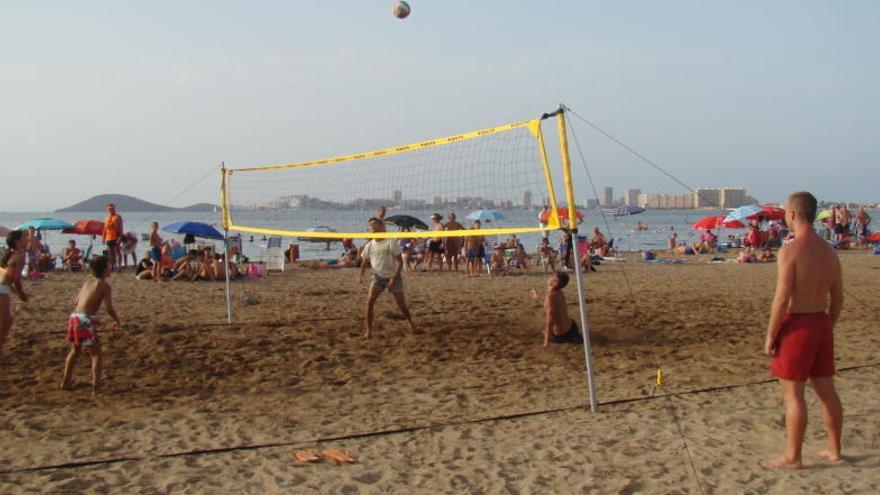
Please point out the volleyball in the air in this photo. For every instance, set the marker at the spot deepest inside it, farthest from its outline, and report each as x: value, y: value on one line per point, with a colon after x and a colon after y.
x: 400, y: 9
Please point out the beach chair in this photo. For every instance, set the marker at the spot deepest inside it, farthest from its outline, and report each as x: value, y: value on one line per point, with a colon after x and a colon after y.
x: 274, y: 254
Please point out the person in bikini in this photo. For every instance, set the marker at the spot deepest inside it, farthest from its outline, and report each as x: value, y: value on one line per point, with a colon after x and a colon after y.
x: 800, y: 339
x: 559, y: 328
x: 82, y: 326
x: 10, y: 281
x: 385, y: 259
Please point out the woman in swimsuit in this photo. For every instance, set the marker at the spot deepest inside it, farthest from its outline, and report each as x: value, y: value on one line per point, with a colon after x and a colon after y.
x: 10, y: 281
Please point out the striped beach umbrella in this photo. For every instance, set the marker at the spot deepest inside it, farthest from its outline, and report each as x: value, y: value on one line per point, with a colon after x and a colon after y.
x: 744, y: 213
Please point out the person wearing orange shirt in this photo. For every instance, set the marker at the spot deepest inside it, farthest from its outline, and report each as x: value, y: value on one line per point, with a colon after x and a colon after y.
x: 113, y: 236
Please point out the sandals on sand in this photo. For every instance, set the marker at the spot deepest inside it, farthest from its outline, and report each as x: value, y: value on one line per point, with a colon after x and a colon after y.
x: 341, y: 456
x: 306, y: 456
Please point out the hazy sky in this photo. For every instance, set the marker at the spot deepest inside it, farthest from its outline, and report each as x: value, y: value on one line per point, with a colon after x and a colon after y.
x: 144, y: 98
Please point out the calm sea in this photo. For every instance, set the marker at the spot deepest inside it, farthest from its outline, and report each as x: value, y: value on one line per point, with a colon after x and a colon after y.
x: 622, y: 229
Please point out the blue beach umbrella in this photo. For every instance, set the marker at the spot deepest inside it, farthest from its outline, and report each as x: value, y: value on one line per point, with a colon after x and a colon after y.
x: 197, y: 229
x: 743, y: 213
x: 45, y: 224
x: 483, y: 215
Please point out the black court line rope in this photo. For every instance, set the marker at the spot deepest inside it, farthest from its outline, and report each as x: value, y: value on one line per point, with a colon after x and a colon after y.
x: 394, y: 431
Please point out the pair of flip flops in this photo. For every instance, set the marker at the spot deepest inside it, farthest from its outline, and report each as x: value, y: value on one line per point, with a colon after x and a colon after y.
x: 341, y: 456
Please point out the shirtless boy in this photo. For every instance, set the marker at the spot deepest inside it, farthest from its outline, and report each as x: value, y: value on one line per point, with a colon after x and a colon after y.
x: 10, y: 281
x: 435, y: 245
x: 559, y: 328
x: 474, y: 252
x: 808, y: 301
x: 82, y: 326
x: 386, y: 261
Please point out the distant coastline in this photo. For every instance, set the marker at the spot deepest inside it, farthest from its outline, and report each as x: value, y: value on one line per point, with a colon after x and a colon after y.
x: 125, y: 203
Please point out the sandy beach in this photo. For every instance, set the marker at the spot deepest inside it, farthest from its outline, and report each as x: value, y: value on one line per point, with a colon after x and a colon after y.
x: 472, y: 404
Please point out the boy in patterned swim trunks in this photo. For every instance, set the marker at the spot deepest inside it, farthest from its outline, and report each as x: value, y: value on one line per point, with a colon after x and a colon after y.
x: 82, y: 326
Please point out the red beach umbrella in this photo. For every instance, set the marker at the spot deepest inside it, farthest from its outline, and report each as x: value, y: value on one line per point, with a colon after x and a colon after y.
x: 717, y: 222
x: 86, y: 227
x: 770, y: 213
x: 562, y: 210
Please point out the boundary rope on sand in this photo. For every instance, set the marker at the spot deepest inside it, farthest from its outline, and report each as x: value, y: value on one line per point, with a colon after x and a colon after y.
x: 395, y: 431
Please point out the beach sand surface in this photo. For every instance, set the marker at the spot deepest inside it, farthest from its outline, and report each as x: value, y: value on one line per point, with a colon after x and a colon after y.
x: 471, y: 404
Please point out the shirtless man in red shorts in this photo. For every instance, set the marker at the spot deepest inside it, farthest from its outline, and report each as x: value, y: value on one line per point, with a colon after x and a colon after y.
x: 799, y: 335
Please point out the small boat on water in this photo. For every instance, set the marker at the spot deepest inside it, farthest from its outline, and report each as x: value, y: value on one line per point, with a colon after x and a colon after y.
x: 317, y: 230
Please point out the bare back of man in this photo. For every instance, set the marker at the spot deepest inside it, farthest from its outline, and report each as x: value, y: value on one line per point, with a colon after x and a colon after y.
x: 808, y: 301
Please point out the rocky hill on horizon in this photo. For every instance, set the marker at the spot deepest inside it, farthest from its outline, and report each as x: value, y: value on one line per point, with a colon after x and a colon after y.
x: 125, y: 203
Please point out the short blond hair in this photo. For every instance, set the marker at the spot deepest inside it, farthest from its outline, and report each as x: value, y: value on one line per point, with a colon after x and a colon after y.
x: 805, y: 204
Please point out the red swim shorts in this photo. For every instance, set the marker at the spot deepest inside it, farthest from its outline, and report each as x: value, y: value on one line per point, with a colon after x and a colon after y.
x: 804, y: 347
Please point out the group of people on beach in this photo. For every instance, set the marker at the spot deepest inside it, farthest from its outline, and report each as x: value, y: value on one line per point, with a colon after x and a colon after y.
x: 799, y: 339
x: 845, y: 229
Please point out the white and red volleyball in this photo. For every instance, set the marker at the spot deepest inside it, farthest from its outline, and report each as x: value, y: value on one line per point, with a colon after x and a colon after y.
x: 400, y: 9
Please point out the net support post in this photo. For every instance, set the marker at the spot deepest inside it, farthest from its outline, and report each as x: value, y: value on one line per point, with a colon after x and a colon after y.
x: 578, y: 271
x: 225, y: 240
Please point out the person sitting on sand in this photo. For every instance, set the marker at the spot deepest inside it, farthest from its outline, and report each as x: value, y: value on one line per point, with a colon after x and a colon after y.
x: 747, y: 256
x: 519, y: 259
x: 385, y: 259
x: 559, y: 328
x: 498, y: 263
x: 767, y: 255
x: 683, y: 248
x: 82, y: 326
x: 72, y: 257
x: 144, y: 265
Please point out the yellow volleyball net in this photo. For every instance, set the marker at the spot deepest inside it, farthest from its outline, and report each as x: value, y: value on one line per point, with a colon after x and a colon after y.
x: 501, y: 174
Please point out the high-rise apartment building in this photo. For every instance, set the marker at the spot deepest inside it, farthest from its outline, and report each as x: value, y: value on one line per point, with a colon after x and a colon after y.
x: 607, y: 198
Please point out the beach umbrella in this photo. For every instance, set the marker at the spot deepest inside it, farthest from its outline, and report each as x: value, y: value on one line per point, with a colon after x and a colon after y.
x: 628, y: 210
x: 197, y: 229
x: 483, y: 215
x: 45, y: 224
x: 406, y: 222
x: 771, y: 213
x: 823, y: 215
x: 716, y: 222
x: 744, y: 213
x: 86, y: 227
x: 563, y: 214
x: 3, y: 231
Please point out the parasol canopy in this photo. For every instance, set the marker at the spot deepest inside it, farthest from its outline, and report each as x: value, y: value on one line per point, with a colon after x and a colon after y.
x: 406, y: 222
x: 197, y: 229
x: 45, y: 224
x: 86, y: 227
